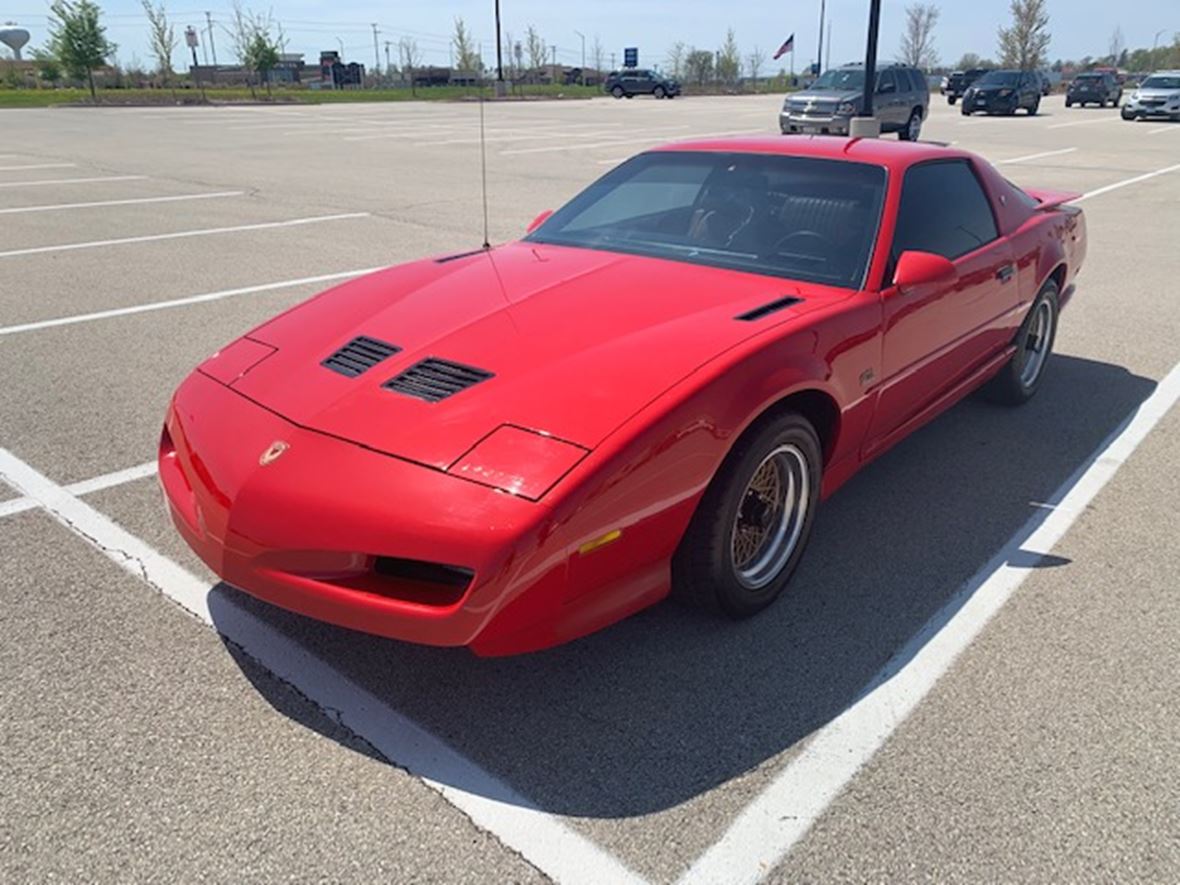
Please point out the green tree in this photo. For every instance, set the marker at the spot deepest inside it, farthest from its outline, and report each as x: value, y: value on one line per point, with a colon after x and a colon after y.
x: 466, y: 57
x: 262, y: 56
x: 729, y: 60
x: 698, y: 66
x: 161, y: 38
x: 1023, y: 44
x: 48, y: 67
x: 79, y: 40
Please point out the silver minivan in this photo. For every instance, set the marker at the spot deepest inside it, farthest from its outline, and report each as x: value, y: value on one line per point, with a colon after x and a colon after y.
x: 900, y: 101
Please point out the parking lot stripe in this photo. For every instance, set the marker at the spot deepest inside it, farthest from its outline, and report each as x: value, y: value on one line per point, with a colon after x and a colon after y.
x: 48, y: 181
x: 39, y: 166
x: 1068, y: 150
x: 784, y: 812
x: 492, y: 805
x: 205, y: 232
x: 1127, y: 181
x: 132, y: 202
x: 86, y: 486
x: 179, y: 302
x: 1086, y: 122
x: 1163, y: 129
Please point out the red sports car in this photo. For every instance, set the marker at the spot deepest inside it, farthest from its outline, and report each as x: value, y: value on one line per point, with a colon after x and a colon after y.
x: 648, y: 394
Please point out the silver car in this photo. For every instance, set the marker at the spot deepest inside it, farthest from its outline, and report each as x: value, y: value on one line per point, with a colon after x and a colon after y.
x: 1157, y: 96
x: 900, y: 101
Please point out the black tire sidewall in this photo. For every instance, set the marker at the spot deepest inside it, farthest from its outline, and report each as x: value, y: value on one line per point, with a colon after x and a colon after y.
x: 704, y: 561
x: 1007, y: 387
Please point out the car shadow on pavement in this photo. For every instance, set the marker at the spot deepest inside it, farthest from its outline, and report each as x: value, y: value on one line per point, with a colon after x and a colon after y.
x: 671, y: 703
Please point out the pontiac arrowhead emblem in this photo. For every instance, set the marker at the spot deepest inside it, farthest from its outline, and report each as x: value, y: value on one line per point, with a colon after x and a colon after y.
x: 273, y: 452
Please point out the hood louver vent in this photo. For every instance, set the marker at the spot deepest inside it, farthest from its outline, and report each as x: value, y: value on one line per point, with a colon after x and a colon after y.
x: 359, y: 355
x: 766, y: 309
x: 434, y: 379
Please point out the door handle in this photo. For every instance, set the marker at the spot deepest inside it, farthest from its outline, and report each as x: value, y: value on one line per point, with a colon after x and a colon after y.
x: 1005, y: 273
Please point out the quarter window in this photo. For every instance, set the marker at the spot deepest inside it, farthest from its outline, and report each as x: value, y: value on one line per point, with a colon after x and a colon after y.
x: 943, y: 210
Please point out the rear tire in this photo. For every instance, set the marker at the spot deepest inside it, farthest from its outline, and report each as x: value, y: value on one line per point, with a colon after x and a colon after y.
x: 1068, y: 103
x: 659, y: 92
x: 912, y: 128
x: 752, y: 525
x: 1036, y: 106
x: 951, y: 100
x: 1021, y: 376
x: 617, y: 92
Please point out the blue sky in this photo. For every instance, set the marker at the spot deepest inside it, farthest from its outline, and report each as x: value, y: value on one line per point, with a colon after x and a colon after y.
x: 1079, y: 27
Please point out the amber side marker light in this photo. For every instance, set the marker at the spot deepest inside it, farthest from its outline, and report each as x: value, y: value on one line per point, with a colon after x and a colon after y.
x: 608, y: 538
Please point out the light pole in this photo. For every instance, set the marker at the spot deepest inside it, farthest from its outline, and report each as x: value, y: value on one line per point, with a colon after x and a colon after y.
x: 583, y: 39
x: 499, y: 54
x: 1154, y: 43
x: 865, y: 125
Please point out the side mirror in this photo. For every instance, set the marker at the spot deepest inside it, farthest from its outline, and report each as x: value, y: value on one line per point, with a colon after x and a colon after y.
x: 916, y: 269
x: 538, y: 221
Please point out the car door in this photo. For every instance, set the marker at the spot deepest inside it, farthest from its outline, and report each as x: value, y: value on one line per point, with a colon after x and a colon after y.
x: 936, y: 337
x: 886, y: 100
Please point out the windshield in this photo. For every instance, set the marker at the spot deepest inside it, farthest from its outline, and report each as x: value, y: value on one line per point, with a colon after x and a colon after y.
x: 796, y: 217
x: 1089, y: 77
x: 841, y: 79
x: 999, y: 78
x: 1158, y: 82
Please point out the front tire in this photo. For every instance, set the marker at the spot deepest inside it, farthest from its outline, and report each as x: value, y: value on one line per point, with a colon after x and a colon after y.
x: 1036, y: 106
x: 659, y: 92
x: 752, y: 525
x: 617, y: 92
x: 1021, y: 376
x: 951, y: 99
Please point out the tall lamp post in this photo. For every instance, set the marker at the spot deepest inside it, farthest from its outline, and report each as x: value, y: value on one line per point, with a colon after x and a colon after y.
x: 583, y: 38
x: 1154, y: 44
x: 865, y: 125
x: 499, y: 55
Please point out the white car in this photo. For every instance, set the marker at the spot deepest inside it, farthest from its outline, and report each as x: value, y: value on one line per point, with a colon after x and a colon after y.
x: 1157, y: 96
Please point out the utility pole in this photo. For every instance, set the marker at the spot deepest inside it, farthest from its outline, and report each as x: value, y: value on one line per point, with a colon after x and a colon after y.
x: 819, y: 48
x: 388, y: 68
x: 376, y: 52
x: 612, y: 61
x: 212, y: 45
x: 553, y: 75
x: 829, y: 50
x: 583, y: 38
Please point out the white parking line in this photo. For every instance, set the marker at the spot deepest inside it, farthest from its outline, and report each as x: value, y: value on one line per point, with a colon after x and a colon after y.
x: 782, y: 815
x: 132, y: 202
x: 1163, y: 129
x: 1085, y: 122
x: 47, y: 181
x: 1068, y: 150
x: 86, y: 486
x: 39, y: 166
x: 268, y: 225
x: 1127, y: 181
x: 540, y: 838
x: 179, y: 302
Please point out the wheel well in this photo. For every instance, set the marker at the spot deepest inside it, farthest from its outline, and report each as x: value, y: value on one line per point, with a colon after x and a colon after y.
x: 814, y: 405
x: 1058, y: 276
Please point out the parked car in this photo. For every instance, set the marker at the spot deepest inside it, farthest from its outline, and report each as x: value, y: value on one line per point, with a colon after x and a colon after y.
x: 639, y: 81
x: 958, y: 82
x: 1157, y: 96
x: 1046, y: 83
x: 901, y: 102
x: 480, y: 449
x: 1003, y: 92
x: 1094, y: 87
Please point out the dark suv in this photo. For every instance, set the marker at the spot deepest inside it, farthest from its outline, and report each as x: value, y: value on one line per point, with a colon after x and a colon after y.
x: 1094, y: 88
x: 639, y: 81
x: 958, y: 81
x: 1004, y: 92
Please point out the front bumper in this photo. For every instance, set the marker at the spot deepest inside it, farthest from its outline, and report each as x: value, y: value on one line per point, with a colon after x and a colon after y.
x: 792, y: 123
x: 306, y: 530
x: 991, y: 104
x: 1135, y: 110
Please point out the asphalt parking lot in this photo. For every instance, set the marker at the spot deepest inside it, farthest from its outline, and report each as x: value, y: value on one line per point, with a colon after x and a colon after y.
x: 973, y: 678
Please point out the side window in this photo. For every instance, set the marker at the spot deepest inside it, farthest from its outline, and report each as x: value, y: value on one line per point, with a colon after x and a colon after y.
x: 914, y: 80
x: 886, y: 82
x: 943, y: 210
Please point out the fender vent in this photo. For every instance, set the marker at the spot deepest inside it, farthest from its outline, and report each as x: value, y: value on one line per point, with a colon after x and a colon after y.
x: 359, y: 355
x: 434, y: 379
x: 766, y: 309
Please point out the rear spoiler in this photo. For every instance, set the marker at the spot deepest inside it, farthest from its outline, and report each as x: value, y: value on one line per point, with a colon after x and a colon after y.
x: 1048, y: 199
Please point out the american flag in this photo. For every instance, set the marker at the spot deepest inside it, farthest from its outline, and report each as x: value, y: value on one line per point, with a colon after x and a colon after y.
x: 788, y: 45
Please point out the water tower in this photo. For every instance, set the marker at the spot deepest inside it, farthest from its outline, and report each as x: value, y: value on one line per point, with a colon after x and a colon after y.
x: 14, y: 39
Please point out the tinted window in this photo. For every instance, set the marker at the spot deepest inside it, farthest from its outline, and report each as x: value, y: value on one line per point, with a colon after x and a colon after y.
x: 999, y: 78
x: 943, y: 210
x: 795, y: 217
x: 886, y: 82
x: 915, y: 80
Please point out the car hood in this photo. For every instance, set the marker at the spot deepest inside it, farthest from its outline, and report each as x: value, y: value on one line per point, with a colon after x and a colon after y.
x: 1156, y: 93
x: 576, y: 340
x: 825, y: 96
